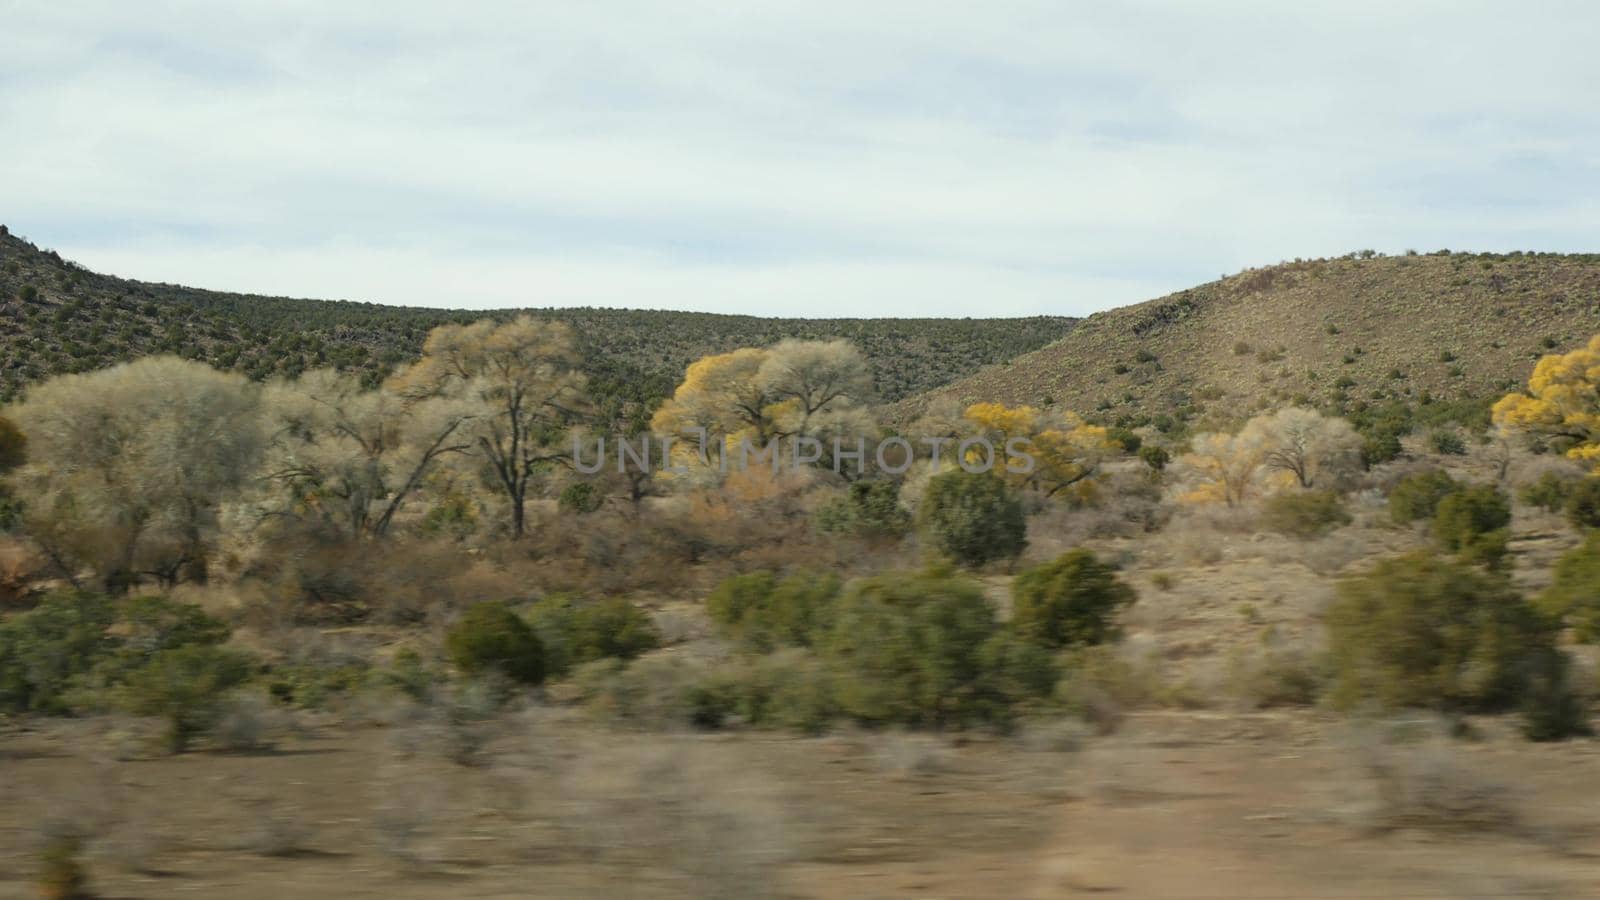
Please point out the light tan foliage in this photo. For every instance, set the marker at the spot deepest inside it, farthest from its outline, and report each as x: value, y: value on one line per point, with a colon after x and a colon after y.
x: 129, y: 465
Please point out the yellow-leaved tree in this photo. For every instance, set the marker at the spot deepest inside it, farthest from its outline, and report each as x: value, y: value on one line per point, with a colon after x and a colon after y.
x: 1562, y: 403
x: 812, y: 389
x: 1065, y: 449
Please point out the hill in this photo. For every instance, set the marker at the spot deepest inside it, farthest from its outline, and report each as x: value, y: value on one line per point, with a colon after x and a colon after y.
x: 1328, y: 332
x: 57, y: 316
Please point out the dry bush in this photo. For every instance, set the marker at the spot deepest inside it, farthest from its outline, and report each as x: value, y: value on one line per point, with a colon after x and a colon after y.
x: 1202, y: 534
x: 248, y: 723
x: 1326, y: 555
x: 399, y: 582
x: 19, y: 567
x: 692, y: 806
x: 1427, y: 786
x: 125, y: 738
x: 1055, y: 735
x: 458, y: 724
x: 906, y: 755
x: 408, y: 802
x: 276, y: 829
x: 1275, y: 674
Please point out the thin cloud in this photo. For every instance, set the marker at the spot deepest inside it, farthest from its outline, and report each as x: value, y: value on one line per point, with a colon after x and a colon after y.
x: 788, y: 159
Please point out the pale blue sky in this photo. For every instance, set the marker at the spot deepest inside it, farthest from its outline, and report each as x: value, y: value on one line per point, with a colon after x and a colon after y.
x: 808, y: 158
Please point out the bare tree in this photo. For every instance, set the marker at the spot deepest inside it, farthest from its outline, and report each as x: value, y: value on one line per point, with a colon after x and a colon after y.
x: 523, y: 376
x: 1309, y: 446
x: 353, y: 456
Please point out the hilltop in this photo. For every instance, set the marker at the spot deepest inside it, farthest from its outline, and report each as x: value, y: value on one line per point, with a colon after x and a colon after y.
x: 57, y: 316
x: 1324, y: 332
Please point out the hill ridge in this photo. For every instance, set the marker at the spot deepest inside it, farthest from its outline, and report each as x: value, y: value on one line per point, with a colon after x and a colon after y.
x: 59, y: 316
x: 1322, y: 332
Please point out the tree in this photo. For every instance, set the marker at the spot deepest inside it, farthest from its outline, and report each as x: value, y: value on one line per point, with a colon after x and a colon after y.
x: 522, y: 375
x: 972, y: 517
x: 1312, y: 448
x: 1071, y: 601
x: 129, y: 465
x: 814, y: 382
x: 1223, y: 466
x: 1065, y: 449
x: 811, y: 389
x: 351, y: 457
x: 1306, y: 447
x: 1562, y: 403
x: 723, y: 394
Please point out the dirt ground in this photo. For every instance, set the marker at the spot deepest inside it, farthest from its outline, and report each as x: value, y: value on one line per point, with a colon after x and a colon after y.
x: 1176, y: 804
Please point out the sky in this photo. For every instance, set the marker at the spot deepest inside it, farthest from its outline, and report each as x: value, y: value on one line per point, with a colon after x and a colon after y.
x: 813, y: 158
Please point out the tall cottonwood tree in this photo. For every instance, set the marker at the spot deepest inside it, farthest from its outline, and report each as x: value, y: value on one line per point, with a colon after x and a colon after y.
x: 813, y: 389
x: 1065, y: 449
x: 1311, y: 448
x: 1303, y: 447
x: 350, y: 457
x: 523, y: 377
x: 128, y: 466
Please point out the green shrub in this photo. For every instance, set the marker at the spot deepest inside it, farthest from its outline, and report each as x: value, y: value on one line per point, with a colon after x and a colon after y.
x: 869, y: 509
x: 1069, y: 602
x: 61, y: 870
x: 408, y: 674
x: 972, y: 518
x: 1380, y: 447
x: 764, y: 611
x: 1126, y: 437
x: 1417, y: 496
x: 1583, y: 503
x: 1552, y: 707
x: 1549, y: 492
x: 1447, y: 443
x: 147, y: 626
x: 153, y: 624
x: 580, y: 497
x: 185, y: 686
x: 1304, y: 514
x: 790, y: 689
x: 13, y: 446
x: 658, y: 692
x: 1470, y: 513
x: 315, y: 686
x: 909, y: 649
x: 1574, y: 593
x: 574, y: 631
x: 454, y: 516
x: 1381, y: 426
x: 1424, y: 632
x: 1155, y: 457
x: 1016, y: 670
x: 45, y: 650
x: 491, y: 638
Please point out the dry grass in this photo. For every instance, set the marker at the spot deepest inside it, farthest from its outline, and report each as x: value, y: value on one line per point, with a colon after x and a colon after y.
x: 1400, y: 311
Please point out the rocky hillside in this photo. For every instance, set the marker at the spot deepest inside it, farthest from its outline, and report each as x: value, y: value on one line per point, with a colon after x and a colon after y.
x: 1324, y: 332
